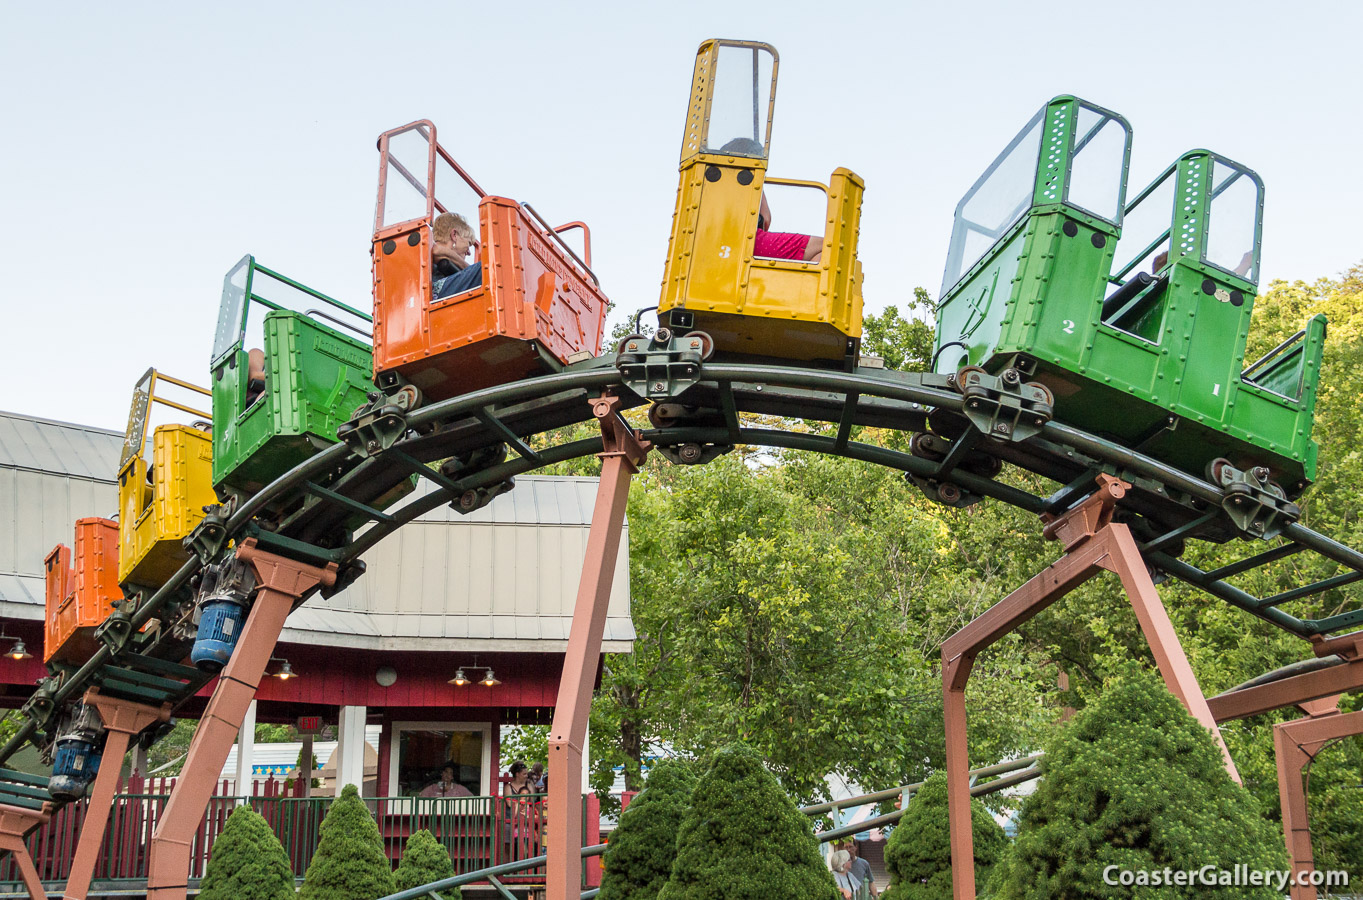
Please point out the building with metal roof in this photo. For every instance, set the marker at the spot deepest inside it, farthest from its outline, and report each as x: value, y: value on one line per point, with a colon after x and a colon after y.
x: 491, y: 593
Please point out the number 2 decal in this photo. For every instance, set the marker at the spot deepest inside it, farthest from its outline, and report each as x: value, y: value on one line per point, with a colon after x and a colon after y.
x: 1069, y: 326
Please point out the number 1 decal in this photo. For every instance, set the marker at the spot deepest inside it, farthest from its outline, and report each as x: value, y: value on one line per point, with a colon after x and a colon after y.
x: 1069, y: 326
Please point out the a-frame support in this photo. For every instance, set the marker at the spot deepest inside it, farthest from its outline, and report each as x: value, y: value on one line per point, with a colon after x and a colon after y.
x: 1295, y: 744
x: 623, y: 455
x: 1316, y: 693
x: 281, y: 582
x: 1093, y: 543
x: 15, y: 824
x: 123, y: 720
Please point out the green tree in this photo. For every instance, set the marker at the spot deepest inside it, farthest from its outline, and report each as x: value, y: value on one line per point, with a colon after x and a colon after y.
x: 247, y: 862
x: 644, y: 844
x: 1134, y: 782
x: 350, y: 862
x: 918, y: 854
x: 743, y: 839
x: 424, y: 860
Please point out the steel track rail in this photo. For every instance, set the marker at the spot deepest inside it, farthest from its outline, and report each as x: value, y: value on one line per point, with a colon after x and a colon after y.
x: 875, y: 398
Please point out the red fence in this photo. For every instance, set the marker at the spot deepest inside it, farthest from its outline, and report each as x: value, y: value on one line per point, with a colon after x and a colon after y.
x: 476, y: 831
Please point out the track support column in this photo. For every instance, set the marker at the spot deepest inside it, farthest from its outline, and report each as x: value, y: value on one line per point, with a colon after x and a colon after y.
x: 123, y: 719
x: 1295, y: 744
x: 1093, y: 543
x: 624, y: 453
x: 15, y: 823
x: 281, y: 582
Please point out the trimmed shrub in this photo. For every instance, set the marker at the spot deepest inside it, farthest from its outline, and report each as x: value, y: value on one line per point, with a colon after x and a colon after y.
x: 349, y: 863
x: 643, y: 846
x: 918, y: 854
x: 743, y: 839
x: 424, y: 860
x: 1135, y: 782
x: 247, y: 862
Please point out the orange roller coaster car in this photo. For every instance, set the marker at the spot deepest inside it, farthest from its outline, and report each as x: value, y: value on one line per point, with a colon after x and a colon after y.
x: 80, y: 597
x: 537, y: 307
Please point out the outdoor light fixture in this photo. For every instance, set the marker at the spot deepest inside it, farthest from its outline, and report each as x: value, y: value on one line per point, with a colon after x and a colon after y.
x: 461, y: 679
x: 285, y: 670
x: 18, y: 651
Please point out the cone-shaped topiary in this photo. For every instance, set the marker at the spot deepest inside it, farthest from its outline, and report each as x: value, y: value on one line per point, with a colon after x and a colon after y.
x: 247, y: 862
x: 918, y: 854
x: 644, y: 844
x: 349, y: 863
x: 1135, y: 784
x: 743, y: 839
x: 424, y: 860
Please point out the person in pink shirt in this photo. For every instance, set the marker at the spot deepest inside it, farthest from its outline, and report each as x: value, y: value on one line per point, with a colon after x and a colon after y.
x: 774, y: 244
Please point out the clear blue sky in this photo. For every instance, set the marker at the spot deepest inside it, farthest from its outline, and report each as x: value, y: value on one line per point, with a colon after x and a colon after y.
x: 148, y: 146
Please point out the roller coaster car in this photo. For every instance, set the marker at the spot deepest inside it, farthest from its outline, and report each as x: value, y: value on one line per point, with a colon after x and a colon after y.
x: 786, y: 309
x: 315, y: 375
x: 1152, y: 354
x: 159, y: 504
x: 81, y: 589
x: 536, y: 307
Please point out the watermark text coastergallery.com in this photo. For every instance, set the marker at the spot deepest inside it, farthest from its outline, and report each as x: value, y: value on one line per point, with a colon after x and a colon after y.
x: 1215, y: 876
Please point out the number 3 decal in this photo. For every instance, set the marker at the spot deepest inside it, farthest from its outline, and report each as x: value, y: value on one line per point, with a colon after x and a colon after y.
x: 1069, y: 326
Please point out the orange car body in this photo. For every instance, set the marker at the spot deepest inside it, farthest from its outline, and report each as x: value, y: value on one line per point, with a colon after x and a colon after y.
x: 536, y: 307
x: 80, y: 597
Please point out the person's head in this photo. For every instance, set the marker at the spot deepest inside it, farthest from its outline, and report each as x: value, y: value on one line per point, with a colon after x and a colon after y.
x: 451, y: 240
x: 840, y: 861
x: 447, y: 773
x: 742, y: 146
x: 1159, y: 262
x: 537, y: 769
x: 518, y: 769
x: 851, y: 847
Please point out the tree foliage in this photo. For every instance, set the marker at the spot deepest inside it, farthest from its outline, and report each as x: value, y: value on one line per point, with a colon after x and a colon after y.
x: 1134, y: 781
x: 350, y: 862
x: 644, y: 844
x: 247, y: 862
x: 424, y: 860
x: 743, y: 839
x: 918, y: 854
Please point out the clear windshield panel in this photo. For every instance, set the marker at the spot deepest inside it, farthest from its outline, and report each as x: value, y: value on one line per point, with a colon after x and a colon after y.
x: 995, y: 202
x: 453, y: 194
x: 1096, y: 164
x: 740, y: 99
x: 1144, y: 245
x: 230, y: 311
x: 1233, y: 221
x: 405, y: 176
x: 135, y: 433
x: 268, y: 286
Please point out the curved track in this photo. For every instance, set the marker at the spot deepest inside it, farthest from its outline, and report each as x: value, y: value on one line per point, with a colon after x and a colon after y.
x: 296, y: 517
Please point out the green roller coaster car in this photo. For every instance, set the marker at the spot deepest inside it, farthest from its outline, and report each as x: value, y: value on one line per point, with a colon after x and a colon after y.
x: 317, y: 374
x: 1149, y: 351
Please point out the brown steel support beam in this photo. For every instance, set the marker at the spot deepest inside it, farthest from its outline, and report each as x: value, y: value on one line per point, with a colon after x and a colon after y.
x: 123, y: 720
x: 1295, y: 744
x: 15, y: 824
x: 623, y: 455
x: 1291, y: 691
x: 281, y: 583
x: 1093, y: 542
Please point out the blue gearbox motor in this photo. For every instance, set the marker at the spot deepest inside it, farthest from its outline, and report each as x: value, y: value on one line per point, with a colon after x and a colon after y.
x: 75, y: 760
x: 219, y: 628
